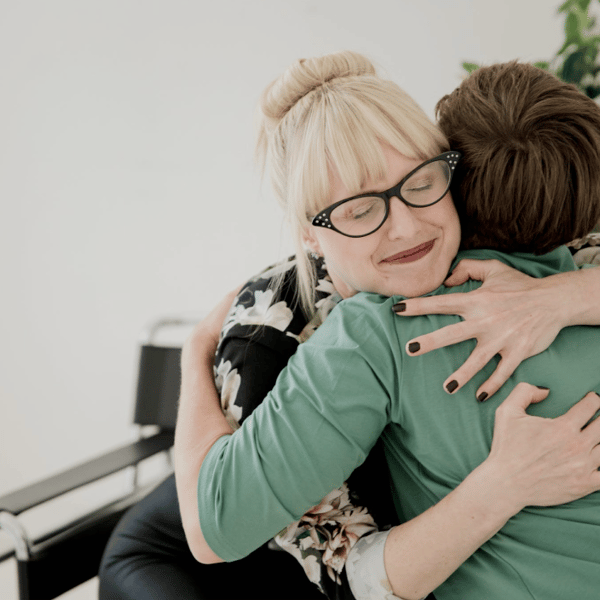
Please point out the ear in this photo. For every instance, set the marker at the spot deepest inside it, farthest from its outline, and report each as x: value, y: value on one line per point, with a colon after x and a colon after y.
x: 311, y: 242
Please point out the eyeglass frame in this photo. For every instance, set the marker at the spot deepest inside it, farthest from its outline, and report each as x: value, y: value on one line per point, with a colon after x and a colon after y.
x: 323, y: 219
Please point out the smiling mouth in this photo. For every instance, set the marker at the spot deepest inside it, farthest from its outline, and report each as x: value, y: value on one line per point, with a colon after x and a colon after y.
x: 411, y: 255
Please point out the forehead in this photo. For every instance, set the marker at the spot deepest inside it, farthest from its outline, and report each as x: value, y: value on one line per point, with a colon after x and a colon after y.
x: 397, y: 166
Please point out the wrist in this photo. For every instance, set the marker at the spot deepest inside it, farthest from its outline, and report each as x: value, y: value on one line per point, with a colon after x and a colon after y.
x: 490, y: 489
x: 574, y: 294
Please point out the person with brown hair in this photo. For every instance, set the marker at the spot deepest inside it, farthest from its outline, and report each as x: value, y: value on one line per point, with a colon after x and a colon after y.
x: 351, y: 383
x: 528, y: 181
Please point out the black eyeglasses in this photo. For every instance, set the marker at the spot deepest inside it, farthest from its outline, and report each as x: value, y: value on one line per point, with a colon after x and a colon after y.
x: 364, y: 214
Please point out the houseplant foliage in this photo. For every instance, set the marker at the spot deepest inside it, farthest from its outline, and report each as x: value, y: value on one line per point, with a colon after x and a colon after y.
x: 577, y: 60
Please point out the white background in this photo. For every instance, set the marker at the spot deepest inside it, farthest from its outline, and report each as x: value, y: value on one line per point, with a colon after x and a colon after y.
x: 127, y: 187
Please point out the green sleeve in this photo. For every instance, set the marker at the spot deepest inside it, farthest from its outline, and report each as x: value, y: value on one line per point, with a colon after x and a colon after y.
x: 327, y: 410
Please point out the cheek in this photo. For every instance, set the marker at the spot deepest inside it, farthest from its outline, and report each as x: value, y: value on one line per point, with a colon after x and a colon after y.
x: 348, y: 256
x: 448, y: 218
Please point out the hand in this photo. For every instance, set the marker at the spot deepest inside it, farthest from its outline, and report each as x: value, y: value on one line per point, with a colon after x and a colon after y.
x: 544, y: 462
x: 511, y: 314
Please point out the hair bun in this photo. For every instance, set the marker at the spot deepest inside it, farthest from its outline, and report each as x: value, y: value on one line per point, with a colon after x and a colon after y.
x: 306, y: 75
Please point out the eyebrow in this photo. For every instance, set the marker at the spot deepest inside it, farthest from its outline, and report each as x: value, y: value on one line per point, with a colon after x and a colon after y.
x: 372, y: 191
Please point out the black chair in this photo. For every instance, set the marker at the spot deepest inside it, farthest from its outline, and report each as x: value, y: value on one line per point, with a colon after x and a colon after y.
x: 70, y: 554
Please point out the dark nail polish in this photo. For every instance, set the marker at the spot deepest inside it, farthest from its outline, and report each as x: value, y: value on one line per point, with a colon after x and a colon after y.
x: 542, y: 387
x: 399, y: 307
x: 452, y: 386
x: 414, y: 347
x: 482, y: 396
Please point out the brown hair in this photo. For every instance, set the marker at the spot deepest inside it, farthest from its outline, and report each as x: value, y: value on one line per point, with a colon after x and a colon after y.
x: 530, y: 176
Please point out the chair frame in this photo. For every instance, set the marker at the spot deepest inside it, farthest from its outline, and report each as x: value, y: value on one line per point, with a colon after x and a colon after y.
x: 34, y: 556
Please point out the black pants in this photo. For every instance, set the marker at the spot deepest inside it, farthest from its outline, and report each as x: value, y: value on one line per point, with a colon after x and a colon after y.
x: 147, y: 558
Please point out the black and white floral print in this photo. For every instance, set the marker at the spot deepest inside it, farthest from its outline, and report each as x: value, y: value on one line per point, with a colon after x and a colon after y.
x: 227, y: 382
x: 324, y: 535
x: 261, y: 332
x: 586, y: 250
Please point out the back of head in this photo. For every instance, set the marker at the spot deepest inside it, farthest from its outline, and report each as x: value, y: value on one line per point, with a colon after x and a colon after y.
x: 327, y: 116
x: 530, y: 177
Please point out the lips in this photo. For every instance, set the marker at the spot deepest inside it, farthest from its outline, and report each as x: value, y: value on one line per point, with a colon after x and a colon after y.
x: 410, y: 255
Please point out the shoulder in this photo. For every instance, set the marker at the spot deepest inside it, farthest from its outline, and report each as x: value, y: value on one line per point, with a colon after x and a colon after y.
x: 267, y: 303
x: 363, y: 323
x: 367, y: 307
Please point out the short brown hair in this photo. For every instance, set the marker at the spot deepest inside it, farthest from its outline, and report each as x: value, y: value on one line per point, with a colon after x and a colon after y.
x: 530, y: 176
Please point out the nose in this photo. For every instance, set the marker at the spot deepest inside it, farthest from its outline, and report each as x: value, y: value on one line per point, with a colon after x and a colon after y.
x: 402, y: 220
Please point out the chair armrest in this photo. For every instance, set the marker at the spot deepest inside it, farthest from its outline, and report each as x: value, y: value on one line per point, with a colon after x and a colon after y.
x: 27, y: 497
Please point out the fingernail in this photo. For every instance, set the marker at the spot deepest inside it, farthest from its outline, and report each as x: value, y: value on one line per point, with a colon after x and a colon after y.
x: 399, y: 307
x: 452, y: 386
x: 542, y: 387
x: 414, y: 347
x: 482, y: 396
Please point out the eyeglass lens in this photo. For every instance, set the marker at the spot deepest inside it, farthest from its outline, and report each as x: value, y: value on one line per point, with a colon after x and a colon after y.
x: 361, y: 216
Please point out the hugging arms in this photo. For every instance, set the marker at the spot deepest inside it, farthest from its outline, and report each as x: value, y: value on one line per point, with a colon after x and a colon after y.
x: 200, y: 424
x: 347, y: 265
x: 421, y: 573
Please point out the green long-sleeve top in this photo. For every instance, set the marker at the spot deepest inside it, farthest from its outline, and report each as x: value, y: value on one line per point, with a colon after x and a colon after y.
x: 351, y: 383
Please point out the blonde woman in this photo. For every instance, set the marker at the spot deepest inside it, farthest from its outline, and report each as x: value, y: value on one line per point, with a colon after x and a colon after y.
x: 257, y: 343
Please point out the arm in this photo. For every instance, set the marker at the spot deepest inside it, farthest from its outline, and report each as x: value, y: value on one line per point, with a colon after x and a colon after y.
x: 511, y: 314
x: 200, y: 422
x: 260, y: 334
x: 532, y: 462
x: 290, y: 452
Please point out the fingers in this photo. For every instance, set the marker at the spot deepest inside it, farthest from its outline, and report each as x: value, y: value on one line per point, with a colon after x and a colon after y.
x: 479, y: 358
x: 478, y: 270
x: 449, y: 304
x: 521, y: 397
x: 595, y: 455
x: 581, y: 413
x: 462, y: 273
x: 506, y: 367
x: 446, y: 336
x: 592, y: 432
x: 477, y: 361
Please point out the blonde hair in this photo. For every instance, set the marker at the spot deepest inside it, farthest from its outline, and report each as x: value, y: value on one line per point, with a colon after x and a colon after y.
x: 329, y: 115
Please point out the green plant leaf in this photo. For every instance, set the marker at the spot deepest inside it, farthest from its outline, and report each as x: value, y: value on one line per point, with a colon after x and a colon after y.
x: 565, y: 6
x: 592, y: 91
x: 469, y: 67
x: 577, y: 61
x: 574, y: 68
x: 582, y: 4
x: 591, y: 53
x: 564, y: 47
x: 542, y: 64
x: 573, y: 28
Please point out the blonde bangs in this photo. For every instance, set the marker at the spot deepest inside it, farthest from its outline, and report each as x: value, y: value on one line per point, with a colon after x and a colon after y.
x: 342, y: 130
x: 308, y: 170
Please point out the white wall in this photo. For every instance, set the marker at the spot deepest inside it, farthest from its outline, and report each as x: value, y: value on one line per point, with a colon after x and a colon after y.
x: 127, y: 188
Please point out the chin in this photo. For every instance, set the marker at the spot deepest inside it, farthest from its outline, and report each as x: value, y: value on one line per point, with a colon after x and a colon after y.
x: 418, y: 289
